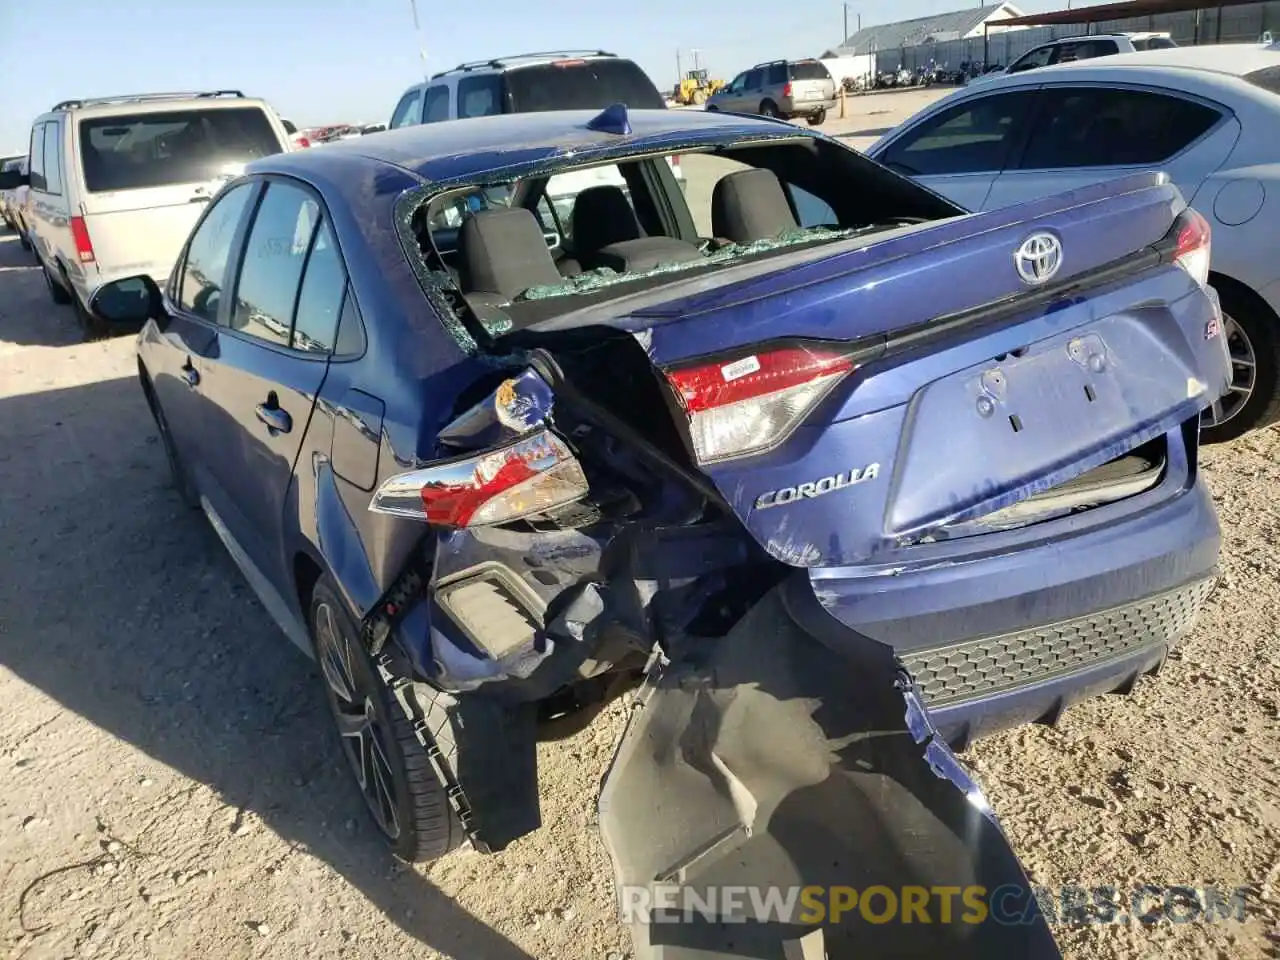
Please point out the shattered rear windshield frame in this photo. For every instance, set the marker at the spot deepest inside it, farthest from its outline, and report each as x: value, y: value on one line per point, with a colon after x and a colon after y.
x: 445, y: 295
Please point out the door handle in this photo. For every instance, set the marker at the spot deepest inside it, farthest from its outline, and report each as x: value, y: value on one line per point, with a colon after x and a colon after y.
x: 277, y: 420
x: 190, y: 373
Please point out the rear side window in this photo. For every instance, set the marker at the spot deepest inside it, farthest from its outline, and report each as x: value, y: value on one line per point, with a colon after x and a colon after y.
x: 581, y: 85
x: 1096, y: 127
x: 755, y: 79
x: 199, y: 289
x: 53, y: 157
x: 1039, y: 57
x: 971, y: 137
x: 437, y: 108
x: 274, y: 256
x: 480, y: 96
x: 181, y: 146
x: 315, y: 325
x: 36, y: 170
x: 809, y: 70
x: 408, y: 110
x: 776, y: 75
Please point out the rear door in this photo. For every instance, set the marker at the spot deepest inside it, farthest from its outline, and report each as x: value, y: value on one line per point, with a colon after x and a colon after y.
x: 147, y: 175
x: 960, y: 151
x: 578, y: 84
x: 261, y: 376
x: 1089, y: 134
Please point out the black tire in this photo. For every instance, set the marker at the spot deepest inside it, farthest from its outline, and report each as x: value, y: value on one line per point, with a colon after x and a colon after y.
x: 90, y: 326
x: 1253, y: 332
x: 816, y: 119
x: 177, y: 472
x: 712, y: 108
x: 769, y: 109
x: 412, y: 811
x: 57, y: 293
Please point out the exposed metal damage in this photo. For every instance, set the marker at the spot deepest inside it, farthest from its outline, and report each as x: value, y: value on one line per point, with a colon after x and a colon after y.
x: 768, y: 760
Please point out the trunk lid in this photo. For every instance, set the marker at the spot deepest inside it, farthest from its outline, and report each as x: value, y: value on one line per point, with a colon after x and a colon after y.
x: 970, y: 389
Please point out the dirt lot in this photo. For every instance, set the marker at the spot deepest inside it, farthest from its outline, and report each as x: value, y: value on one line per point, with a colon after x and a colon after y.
x: 171, y: 788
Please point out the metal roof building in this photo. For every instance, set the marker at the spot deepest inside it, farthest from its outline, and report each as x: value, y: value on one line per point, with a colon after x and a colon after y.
x: 959, y: 25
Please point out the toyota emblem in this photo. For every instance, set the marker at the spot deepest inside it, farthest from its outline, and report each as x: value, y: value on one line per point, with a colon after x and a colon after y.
x: 1039, y: 258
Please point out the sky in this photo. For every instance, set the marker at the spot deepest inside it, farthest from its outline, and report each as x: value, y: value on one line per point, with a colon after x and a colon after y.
x: 333, y: 61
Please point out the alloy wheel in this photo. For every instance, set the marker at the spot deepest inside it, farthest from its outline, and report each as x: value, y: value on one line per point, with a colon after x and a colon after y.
x: 1244, y: 376
x: 351, y: 699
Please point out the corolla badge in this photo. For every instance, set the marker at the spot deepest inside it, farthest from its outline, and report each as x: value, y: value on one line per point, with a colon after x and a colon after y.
x: 1039, y: 258
x: 819, y: 488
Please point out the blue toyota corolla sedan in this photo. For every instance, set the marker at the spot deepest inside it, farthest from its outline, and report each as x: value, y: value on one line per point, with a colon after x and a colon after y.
x: 501, y: 423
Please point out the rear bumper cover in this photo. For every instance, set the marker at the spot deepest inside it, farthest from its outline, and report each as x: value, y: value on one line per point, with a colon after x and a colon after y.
x: 767, y: 764
x: 1013, y: 637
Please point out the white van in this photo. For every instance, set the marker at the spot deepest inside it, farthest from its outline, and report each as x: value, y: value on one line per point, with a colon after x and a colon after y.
x: 116, y: 184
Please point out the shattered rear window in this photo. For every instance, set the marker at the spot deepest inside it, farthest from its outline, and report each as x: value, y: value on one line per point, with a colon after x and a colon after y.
x: 601, y: 277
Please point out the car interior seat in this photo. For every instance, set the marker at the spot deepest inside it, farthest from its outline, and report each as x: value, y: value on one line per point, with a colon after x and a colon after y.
x: 750, y: 205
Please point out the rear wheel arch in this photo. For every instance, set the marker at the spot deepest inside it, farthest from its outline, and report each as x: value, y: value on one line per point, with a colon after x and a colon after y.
x: 307, y: 572
x: 1261, y: 324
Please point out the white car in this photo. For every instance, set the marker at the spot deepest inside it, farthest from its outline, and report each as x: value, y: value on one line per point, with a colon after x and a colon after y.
x: 1208, y: 116
x: 1070, y: 49
x: 116, y: 184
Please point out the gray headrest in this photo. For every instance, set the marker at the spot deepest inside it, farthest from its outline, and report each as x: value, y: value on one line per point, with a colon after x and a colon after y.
x: 503, y: 252
x: 750, y: 205
x: 601, y: 216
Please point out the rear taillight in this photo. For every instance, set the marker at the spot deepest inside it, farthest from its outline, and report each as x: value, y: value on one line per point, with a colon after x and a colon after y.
x: 532, y: 475
x: 304, y: 142
x: 1193, y: 245
x: 80, y: 237
x: 675, y: 159
x: 748, y: 405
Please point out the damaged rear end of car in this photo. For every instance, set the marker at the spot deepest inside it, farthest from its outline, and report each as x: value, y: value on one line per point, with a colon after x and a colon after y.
x: 833, y: 498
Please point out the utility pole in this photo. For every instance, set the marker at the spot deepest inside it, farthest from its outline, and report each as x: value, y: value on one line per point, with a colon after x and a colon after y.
x: 846, y: 21
x: 679, y: 70
x: 422, y: 46
x: 694, y: 51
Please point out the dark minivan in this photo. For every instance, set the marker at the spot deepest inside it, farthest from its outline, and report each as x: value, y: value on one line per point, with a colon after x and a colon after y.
x: 528, y: 83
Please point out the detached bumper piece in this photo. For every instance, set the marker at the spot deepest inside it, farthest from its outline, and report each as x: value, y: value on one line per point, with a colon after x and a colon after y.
x: 979, y: 668
x: 776, y: 799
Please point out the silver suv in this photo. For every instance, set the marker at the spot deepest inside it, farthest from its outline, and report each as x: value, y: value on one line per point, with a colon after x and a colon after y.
x: 528, y: 83
x: 780, y: 88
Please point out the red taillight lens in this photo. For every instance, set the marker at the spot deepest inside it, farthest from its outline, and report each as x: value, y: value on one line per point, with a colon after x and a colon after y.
x: 786, y: 90
x: 80, y: 237
x: 751, y: 404
x: 304, y: 142
x: 1194, y: 244
x: 532, y: 475
x: 675, y: 159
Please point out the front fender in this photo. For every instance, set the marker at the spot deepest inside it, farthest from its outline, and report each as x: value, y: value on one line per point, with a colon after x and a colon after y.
x: 773, y: 770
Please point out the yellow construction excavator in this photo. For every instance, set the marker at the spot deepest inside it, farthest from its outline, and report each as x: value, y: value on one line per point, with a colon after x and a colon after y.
x: 695, y: 88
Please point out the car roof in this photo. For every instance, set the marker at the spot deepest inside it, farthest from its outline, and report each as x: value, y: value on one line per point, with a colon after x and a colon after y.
x: 480, y: 145
x: 153, y: 103
x: 516, y: 61
x: 1233, y: 59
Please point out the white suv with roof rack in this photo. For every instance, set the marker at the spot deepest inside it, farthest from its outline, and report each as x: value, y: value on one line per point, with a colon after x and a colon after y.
x: 116, y: 183
x: 1086, y: 47
x: 532, y: 83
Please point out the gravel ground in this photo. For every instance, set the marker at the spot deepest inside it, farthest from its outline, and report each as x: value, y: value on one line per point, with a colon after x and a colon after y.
x: 172, y: 789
